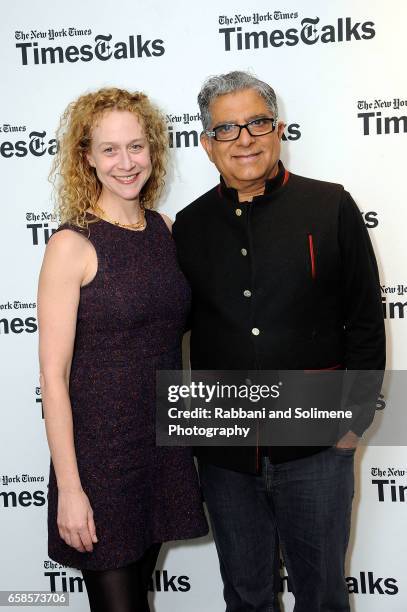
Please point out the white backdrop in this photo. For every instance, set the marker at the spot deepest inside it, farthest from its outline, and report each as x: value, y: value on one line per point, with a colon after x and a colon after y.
x: 339, y: 71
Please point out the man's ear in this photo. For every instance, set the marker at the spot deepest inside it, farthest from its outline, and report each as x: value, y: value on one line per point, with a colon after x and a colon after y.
x: 280, y: 129
x: 206, y: 142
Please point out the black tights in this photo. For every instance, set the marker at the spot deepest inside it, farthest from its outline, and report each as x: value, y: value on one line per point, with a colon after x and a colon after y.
x: 124, y: 589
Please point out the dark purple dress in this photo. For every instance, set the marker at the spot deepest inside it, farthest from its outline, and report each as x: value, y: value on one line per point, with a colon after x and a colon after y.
x: 130, y: 323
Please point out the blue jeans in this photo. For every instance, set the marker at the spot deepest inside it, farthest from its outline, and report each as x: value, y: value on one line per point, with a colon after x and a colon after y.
x: 302, y: 506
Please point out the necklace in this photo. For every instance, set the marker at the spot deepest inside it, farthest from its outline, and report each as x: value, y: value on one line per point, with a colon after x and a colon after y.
x: 135, y: 226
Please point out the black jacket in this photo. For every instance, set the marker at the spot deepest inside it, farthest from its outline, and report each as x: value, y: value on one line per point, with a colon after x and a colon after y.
x: 288, y: 281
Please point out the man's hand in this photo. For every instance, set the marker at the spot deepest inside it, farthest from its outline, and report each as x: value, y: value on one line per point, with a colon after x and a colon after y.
x: 349, y: 440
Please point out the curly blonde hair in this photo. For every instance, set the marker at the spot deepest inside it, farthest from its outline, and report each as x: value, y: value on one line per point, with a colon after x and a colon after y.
x: 76, y: 185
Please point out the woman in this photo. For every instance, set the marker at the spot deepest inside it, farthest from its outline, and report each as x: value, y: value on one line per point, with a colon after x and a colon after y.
x: 112, y: 306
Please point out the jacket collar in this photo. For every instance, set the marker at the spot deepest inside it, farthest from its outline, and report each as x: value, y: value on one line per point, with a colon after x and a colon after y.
x: 270, y: 187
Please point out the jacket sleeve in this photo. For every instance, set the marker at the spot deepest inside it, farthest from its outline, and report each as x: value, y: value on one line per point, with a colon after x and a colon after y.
x: 365, y: 342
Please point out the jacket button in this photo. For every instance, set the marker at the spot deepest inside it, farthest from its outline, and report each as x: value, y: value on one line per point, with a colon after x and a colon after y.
x: 255, y: 331
x: 243, y: 252
x: 238, y: 211
x: 247, y: 293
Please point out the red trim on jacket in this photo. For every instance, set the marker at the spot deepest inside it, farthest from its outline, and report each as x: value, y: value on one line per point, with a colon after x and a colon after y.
x: 335, y: 367
x: 312, y: 255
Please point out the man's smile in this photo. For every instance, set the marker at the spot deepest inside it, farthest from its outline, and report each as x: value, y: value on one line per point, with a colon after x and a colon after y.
x: 247, y: 157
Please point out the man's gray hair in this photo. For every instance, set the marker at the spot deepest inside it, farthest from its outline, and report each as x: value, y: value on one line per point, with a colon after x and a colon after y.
x: 229, y: 83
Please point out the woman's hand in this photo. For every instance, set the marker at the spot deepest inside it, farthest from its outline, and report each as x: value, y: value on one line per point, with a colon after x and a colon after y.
x: 349, y: 440
x: 75, y: 520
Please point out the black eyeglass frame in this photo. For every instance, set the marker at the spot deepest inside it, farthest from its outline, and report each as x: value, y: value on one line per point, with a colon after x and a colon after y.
x: 212, y: 133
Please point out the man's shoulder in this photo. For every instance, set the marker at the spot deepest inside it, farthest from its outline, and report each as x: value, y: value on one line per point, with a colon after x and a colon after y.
x: 199, y: 207
x: 313, y: 186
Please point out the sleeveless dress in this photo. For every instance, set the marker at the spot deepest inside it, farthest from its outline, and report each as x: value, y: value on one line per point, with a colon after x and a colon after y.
x: 130, y: 322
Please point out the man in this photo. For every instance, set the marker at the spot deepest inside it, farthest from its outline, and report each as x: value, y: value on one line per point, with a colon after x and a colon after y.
x: 283, y: 277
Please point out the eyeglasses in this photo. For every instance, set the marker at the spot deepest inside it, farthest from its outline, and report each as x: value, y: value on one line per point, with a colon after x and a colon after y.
x: 231, y: 131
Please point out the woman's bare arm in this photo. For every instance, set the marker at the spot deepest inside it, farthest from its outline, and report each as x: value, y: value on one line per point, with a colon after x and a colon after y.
x: 68, y: 263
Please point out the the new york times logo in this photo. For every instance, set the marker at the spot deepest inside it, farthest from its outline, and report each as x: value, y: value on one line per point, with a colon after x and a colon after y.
x: 385, y: 481
x: 10, y: 498
x: 310, y: 33
x: 394, y: 309
x: 37, y: 143
x: 40, y: 226
x: 161, y: 581
x: 17, y: 305
x: 370, y: 219
x: 51, y: 33
x: 185, y: 138
x: 8, y: 127
x: 376, y: 122
x: 17, y: 324
x: 103, y: 48
x: 38, y: 400
x: 365, y: 583
x: 59, y: 581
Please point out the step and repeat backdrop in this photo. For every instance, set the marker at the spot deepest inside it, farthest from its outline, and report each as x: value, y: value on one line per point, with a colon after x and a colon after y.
x: 339, y: 71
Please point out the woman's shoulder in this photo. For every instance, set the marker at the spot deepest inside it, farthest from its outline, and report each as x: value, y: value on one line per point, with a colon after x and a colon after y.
x: 69, y: 254
x: 168, y: 222
x: 162, y: 218
x: 68, y: 239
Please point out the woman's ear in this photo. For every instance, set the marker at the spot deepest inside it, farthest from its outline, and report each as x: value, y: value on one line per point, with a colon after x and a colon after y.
x: 90, y: 159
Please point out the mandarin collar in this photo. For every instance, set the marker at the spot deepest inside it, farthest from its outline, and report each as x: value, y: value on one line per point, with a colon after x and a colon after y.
x: 271, y: 185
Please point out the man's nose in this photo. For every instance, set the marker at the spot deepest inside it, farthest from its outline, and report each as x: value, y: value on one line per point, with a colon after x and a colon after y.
x: 245, y: 138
